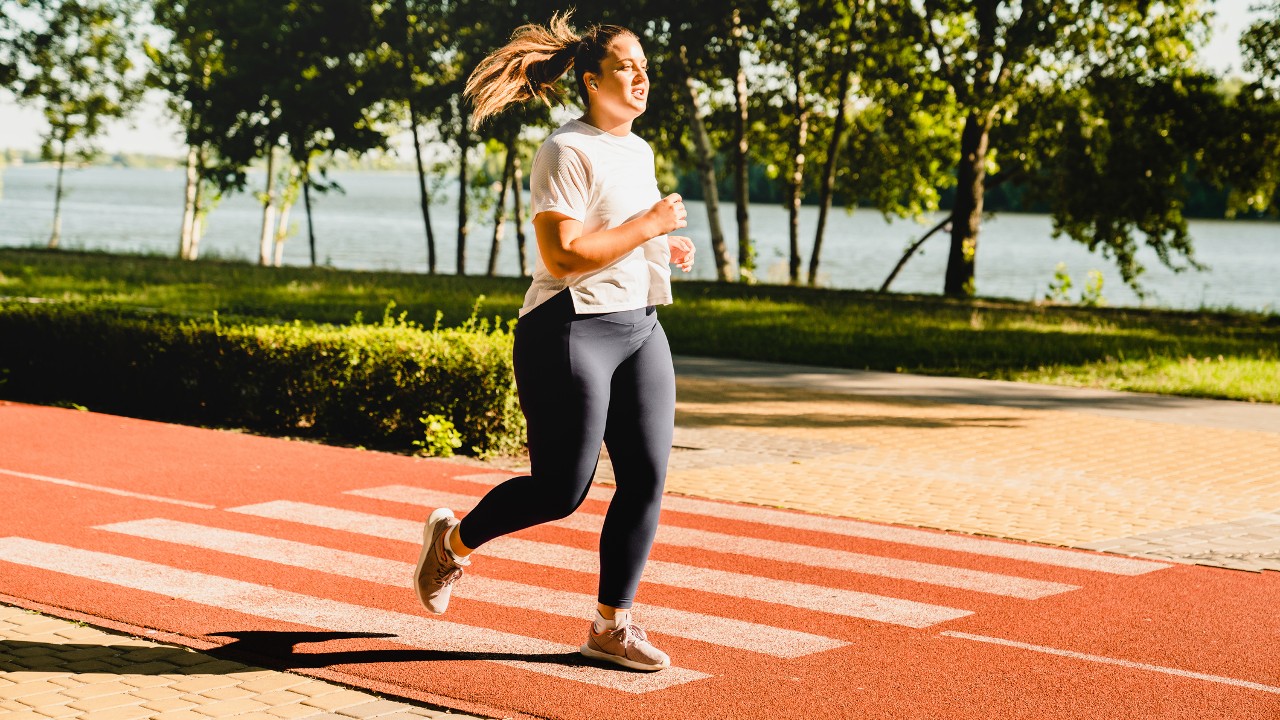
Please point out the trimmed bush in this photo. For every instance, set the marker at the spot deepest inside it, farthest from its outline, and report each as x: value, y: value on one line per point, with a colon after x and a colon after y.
x: 362, y: 384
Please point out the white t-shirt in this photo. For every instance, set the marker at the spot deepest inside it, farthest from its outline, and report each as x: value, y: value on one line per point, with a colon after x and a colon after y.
x: 601, y: 180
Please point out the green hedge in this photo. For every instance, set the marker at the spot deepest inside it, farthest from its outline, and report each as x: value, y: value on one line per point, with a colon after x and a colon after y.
x: 363, y: 384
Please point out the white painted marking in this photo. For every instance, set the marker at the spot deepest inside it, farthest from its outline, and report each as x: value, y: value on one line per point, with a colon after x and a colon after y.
x: 1115, y: 661
x: 813, y: 556
x: 811, y: 597
x: 1080, y: 560
x: 112, y: 491
x: 284, y: 606
x: 763, y: 639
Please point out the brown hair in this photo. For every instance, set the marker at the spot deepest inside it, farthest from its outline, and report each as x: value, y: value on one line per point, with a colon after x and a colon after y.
x: 530, y: 64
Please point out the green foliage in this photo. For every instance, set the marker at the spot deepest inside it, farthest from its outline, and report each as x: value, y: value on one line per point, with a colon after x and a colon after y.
x: 1121, y: 348
x: 78, y: 68
x: 440, y: 439
x: 1060, y: 287
x: 1091, y: 295
x: 362, y: 384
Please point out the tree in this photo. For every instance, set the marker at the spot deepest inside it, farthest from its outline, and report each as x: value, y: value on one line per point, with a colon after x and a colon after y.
x: 1248, y: 159
x: 79, y: 71
x: 183, y: 61
x: 299, y: 76
x: 1001, y: 58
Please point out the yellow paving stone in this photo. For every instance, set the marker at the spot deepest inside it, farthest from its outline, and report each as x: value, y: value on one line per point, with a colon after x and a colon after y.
x: 162, y: 692
x: 47, y: 699
x: 274, y: 681
x: 288, y: 712
x: 130, y: 712
x: 23, y: 689
x: 98, y: 689
x: 229, y: 708
x: 179, y: 715
x: 231, y: 692
x: 201, y: 683
x: 337, y: 700
x: 105, y: 702
x: 147, y: 681
x: 279, y: 697
x: 313, y: 688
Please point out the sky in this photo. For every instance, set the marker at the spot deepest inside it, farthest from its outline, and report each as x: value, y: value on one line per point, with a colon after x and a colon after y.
x: 151, y: 132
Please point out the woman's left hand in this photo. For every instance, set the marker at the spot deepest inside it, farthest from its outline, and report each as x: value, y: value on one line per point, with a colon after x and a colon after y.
x: 681, y: 252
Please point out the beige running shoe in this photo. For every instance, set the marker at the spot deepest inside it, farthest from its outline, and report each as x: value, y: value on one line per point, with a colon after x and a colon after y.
x: 625, y: 645
x: 437, y: 569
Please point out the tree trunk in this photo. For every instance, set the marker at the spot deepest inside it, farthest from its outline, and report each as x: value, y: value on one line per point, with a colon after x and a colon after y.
x: 464, y: 146
x: 281, y: 234
x: 55, y: 237
x: 966, y: 214
x: 199, y: 212
x: 306, y: 199
x: 268, y: 235
x: 829, y: 172
x: 705, y: 158
x: 189, y: 204
x: 742, y: 188
x: 911, y: 250
x: 795, y: 186
x: 500, y: 208
x: 517, y: 187
x: 424, y: 199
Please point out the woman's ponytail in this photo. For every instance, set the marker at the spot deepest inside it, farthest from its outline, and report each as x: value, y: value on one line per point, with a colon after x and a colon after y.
x: 526, y: 67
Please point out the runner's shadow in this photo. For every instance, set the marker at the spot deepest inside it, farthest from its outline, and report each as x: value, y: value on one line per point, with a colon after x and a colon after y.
x: 279, y: 649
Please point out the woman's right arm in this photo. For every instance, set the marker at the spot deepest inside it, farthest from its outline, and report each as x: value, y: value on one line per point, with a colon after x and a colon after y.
x: 566, y: 251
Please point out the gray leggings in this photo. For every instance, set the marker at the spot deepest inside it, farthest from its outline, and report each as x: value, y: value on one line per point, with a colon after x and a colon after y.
x: 584, y: 379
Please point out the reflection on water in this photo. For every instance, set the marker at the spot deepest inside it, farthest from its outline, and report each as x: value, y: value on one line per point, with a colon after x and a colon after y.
x: 377, y: 225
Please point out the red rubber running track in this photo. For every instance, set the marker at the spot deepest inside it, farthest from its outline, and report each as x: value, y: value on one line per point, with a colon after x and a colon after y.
x: 298, y: 556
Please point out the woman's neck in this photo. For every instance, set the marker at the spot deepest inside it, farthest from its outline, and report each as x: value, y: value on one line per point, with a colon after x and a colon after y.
x: 612, y: 125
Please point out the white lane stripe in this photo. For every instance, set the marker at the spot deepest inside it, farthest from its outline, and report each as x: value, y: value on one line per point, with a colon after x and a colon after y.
x: 1080, y: 560
x: 811, y: 597
x: 112, y: 491
x: 1115, y: 661
x: 930, y: 573
x: 763, y: 639
x: 284, y: 606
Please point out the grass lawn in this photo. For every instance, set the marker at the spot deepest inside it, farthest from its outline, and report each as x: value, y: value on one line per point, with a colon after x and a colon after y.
x: 1204, y: 354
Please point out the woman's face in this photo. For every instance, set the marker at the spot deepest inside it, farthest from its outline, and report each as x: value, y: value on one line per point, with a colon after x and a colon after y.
x: 621, y: 87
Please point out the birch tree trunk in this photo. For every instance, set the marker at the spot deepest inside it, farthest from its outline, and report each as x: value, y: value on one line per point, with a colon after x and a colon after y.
x: 198, y: 210
x: 266, y: 239
x: 742, y: 188
x: 55, y: 237
x: 705, y: 158
x: 189, y: 205
x: 795, y: 185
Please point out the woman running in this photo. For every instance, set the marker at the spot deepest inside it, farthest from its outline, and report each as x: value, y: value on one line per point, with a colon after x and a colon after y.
x: 591, y: 361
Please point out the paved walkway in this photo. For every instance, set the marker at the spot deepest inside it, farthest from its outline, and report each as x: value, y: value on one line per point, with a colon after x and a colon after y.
x: 1175, y: 479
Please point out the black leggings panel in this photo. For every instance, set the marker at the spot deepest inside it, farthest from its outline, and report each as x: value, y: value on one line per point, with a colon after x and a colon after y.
x: 584, y: 379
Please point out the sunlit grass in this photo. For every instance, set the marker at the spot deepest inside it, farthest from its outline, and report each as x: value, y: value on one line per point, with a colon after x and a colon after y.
x: 1208, y: 354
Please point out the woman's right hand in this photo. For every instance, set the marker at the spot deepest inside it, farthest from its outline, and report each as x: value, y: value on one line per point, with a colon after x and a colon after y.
x: 668, y: 214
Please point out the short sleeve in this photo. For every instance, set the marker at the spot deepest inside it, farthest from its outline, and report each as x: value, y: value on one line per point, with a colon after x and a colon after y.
x: 560, y: 181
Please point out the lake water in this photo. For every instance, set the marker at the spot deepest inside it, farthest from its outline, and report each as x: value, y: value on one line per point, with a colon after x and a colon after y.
x: 376, y: 225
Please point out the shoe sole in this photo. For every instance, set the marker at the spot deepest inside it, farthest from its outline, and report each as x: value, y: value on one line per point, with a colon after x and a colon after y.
x: 587, y: 651
x: 428, y: 538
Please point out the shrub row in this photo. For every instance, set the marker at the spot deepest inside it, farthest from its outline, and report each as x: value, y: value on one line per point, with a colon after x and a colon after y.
x: 363, y: 384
